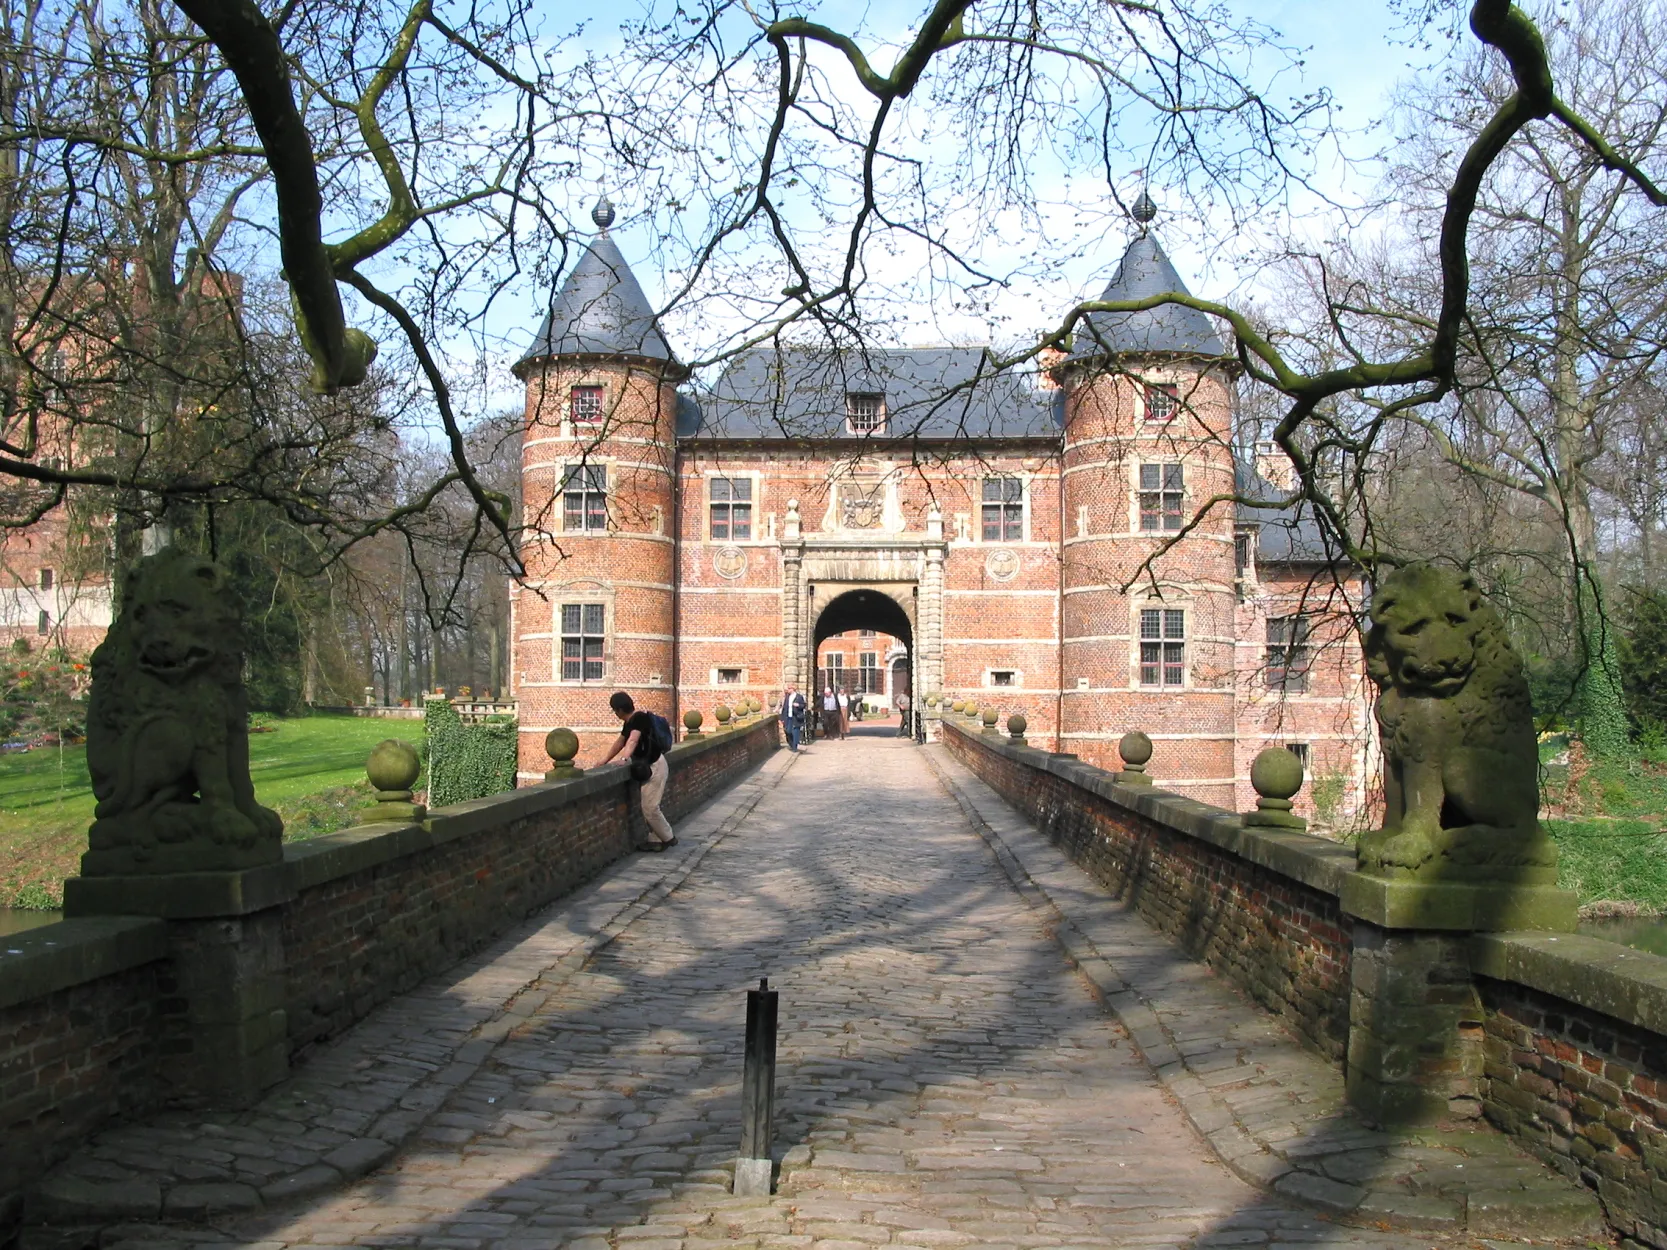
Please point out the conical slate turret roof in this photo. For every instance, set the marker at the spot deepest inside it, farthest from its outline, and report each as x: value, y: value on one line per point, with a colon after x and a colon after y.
x: 600, y: 311
x: 1168, y: 329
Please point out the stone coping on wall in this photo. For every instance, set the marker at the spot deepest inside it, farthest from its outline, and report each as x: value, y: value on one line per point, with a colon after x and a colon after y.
x: 1595, y: 973
x: 53, y: 957
x: 1316, y: 862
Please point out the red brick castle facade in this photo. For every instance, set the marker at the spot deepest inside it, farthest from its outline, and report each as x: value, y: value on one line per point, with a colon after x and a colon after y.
x: 1077, y: 543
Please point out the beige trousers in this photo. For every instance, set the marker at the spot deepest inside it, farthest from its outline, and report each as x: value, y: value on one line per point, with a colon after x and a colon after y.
x: 653, y: 790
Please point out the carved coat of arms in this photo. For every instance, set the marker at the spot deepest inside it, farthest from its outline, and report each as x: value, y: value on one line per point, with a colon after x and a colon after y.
x: 861, y: 505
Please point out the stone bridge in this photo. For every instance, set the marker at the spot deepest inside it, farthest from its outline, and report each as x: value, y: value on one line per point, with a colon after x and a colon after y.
x: 1024, y: 1003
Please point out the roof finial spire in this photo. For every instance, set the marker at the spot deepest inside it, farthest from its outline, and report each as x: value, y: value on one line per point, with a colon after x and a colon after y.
x: 1144, y: 210
x: 603, y: 213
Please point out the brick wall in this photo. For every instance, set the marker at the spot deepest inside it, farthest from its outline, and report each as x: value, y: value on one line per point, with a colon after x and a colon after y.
x: 1283, y: 941
x: 80, y: 1025
x: 1583, y: 1084
x: 380, y: 909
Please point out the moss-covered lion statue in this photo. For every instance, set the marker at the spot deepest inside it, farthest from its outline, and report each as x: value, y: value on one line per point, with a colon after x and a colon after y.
x: 1461, y: 767
x: 167, y: 730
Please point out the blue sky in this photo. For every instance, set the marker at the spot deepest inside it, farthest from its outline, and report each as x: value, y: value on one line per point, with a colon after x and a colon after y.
x: 1350, y: 49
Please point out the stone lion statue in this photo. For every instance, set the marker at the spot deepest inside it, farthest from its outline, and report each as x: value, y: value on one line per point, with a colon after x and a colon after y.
x: 1461, y: 768
x: 167, y: 730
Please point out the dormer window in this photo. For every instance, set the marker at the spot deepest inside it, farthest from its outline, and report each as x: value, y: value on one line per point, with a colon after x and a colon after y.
x: 865, y: 411
x: 1163, y: 401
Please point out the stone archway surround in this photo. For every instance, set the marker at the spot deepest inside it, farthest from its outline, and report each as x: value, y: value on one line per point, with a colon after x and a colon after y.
x: 816, y: 570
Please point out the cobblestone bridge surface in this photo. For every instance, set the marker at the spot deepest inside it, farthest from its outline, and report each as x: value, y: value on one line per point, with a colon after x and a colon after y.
x: 946, y: 1077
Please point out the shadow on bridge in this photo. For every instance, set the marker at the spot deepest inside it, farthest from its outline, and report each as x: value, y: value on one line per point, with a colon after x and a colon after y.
x: 628, y: 1082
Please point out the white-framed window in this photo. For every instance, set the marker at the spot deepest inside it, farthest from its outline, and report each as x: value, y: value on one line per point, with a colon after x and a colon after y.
x: 1003, y: 677
x: 865, y: 412
x: 584, y: 493
x: 1003, y: 510
x: 1162, y: 493
x: 1300, y: 750
x: 585, y: 405
x: 833, y: 670
x: 868, y: 673
x: 729, y: 509
x: 1287, y: 659
x: 1161, y: 401
x: 1163, y: 646
x: 729, y: 676
x: 583, y: 641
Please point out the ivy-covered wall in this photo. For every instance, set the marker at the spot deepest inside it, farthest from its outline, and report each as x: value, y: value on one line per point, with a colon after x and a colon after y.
x: 466, y: 761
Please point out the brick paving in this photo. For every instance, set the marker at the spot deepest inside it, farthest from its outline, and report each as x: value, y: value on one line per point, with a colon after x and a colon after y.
x: 947, y: 1078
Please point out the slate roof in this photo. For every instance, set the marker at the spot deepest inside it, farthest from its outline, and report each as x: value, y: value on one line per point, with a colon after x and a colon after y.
x: 1168, y: 329
x: 930, y: 392
x: 600, y: 311
x: 1288, y: 535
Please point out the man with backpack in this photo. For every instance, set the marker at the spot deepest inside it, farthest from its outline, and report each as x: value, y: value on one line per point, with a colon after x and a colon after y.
x: 645, y: 737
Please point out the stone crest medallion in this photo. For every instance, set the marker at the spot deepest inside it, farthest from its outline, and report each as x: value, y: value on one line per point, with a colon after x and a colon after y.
x: 1002, y: 564
x: 729, y: 562
x: 862, y: 505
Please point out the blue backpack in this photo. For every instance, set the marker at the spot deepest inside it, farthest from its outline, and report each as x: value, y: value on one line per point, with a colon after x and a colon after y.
x: 663, y: 737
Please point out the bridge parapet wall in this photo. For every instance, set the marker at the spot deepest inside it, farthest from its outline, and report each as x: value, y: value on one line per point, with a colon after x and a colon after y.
x: 90, y: 1023
x: 1257, y: 905
x: 1573, y: 1029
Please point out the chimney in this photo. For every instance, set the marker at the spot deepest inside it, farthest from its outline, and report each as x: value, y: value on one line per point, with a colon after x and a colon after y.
x: 1274, y: 467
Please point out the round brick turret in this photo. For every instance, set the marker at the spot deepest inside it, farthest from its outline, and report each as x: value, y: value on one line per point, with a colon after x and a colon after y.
x: 1147, y: 443
x: 595, y: 614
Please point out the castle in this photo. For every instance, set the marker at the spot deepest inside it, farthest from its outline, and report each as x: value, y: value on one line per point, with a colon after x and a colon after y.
x: 1079, y: 543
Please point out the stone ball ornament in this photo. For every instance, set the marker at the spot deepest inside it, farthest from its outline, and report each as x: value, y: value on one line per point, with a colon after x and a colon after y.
x: 1017, y: 724
x: 957, y: 707
x: 395, y: 765
x: 692, y: 720
x: 989, y: 716
x: 1276, y: 773
x: 1135, y: 749
x: 723, y: 713
x: 561, y: 745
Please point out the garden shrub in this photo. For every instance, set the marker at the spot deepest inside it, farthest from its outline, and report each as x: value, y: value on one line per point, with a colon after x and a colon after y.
x: 466, y: 761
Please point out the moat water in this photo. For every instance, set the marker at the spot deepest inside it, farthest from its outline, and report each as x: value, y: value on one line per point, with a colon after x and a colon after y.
x: 17, y: 919
x: 1644, y: 933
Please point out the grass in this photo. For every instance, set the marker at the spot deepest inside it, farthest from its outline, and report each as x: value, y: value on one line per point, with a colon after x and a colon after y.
x: 312, y: 770
x: 1610, y: 825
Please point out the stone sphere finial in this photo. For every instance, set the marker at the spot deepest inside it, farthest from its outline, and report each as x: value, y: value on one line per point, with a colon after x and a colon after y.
x: 958, y: 706
x: 393, y: 767
x: 989, y: 716
x: 723, y: 713
x: 1276, y: 776
x: 1016, y: 726
x: 603, y: 213
x: 561, y: 745
x: 692, y: 720
x: 1136, y: 750
x: 1143, y: 209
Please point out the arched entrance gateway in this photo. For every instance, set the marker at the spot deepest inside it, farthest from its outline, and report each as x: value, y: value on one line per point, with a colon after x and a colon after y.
x: 892, y: 584
x: 854, y: 640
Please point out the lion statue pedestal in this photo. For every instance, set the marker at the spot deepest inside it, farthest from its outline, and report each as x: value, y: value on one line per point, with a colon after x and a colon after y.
x: 177, y: 831
x: 1461, y: 848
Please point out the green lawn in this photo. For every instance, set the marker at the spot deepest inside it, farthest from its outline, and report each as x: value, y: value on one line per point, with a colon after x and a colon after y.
x: 1611, y: 833
x: 311, y: 769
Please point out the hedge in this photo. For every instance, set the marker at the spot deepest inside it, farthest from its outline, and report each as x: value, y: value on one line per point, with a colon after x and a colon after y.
x: 466, y: 761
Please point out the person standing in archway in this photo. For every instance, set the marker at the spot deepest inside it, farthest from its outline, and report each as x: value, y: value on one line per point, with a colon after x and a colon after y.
x: 843, y: 707
x: 902, y: 714
x: 830, y: 714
